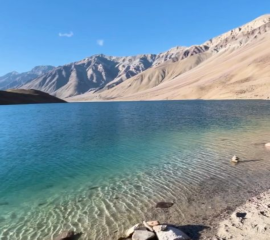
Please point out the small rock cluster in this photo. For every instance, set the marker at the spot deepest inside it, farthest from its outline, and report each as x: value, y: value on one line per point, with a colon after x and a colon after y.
x: 154, y: 230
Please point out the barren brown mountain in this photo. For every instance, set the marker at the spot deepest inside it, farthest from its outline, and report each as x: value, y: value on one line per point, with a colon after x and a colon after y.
x: 234, y: 65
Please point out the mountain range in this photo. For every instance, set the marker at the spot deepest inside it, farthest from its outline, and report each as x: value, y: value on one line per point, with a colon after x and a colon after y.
x: 233, y: 65
x: 16, y: 80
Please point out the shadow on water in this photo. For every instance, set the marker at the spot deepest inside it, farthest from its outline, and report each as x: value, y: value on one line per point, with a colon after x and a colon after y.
x: 253, y: 160
x: 245, y: 161
x: 193, y: 231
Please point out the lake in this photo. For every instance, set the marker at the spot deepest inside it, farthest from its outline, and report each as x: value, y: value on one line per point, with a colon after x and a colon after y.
x: 102, y: 167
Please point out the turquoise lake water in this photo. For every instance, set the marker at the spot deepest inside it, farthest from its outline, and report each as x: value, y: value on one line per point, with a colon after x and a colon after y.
x: 99, y: 167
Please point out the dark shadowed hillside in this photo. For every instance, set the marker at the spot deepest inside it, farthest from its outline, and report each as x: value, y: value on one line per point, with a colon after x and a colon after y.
x: 23, y: 96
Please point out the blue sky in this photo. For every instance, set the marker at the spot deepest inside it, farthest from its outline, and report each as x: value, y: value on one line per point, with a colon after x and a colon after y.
x: 57, y: 32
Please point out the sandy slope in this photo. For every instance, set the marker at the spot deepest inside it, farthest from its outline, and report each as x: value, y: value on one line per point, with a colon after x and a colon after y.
x: 148, y: 79
x: 248, y: 222
x: 155, y: 76
x: 243, y: 73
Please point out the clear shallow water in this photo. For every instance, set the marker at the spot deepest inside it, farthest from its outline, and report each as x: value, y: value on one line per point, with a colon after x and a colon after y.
x: 100, y: 167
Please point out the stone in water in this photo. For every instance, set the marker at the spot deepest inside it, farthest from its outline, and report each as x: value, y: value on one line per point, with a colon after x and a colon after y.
x: 164, y: 205
x: 235, y: 159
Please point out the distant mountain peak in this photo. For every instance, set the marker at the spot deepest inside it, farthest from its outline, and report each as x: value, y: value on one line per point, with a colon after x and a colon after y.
x: 264, y: 18
x: 11, y: 73
x: 16, y: 80
x: 41, y: 69
x: 241, y: 35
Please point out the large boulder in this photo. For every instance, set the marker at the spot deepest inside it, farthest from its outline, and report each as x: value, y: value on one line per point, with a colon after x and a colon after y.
x: 143, y: 235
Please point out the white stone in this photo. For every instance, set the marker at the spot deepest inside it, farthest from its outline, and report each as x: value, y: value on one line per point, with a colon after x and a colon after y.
x: 164, y: 232
x: 235, y: 159
x: 143, y: 235
x: 131, y: 230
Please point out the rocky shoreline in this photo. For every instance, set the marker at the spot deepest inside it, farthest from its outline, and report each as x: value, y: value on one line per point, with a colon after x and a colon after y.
x: 249, y: 221
x: 227, y: 214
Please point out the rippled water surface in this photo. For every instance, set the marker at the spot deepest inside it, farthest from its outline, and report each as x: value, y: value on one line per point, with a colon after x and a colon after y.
x: 101, y: 167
